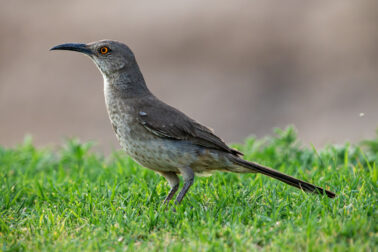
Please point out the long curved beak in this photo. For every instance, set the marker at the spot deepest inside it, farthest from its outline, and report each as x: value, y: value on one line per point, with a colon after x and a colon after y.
x: 77, y: 47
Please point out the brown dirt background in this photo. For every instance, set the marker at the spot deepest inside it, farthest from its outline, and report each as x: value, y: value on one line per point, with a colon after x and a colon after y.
x: 240, y: 67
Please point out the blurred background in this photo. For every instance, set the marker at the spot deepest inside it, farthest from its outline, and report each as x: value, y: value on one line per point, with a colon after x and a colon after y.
x: 240, y: 67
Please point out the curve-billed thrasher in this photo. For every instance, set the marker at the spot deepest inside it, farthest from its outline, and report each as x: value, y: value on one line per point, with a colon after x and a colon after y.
x: 159, y: 136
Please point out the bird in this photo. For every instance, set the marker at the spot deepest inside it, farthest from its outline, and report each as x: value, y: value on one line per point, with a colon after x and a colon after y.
x: 159, y: 136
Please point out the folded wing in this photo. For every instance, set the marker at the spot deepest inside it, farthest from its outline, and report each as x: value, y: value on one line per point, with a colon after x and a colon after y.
x: 166, y: 121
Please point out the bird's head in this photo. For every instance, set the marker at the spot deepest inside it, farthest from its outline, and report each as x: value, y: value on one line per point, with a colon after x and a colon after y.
x: 109, y: 56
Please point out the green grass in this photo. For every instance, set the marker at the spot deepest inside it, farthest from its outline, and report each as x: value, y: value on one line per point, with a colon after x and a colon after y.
x: 72, y: 199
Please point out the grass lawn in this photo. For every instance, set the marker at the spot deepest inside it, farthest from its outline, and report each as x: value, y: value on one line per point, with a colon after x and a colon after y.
x: 72, y: 199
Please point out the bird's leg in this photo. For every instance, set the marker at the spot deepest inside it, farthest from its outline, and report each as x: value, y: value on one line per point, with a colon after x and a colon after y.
x: 188, y: 176
x: 173, y: 181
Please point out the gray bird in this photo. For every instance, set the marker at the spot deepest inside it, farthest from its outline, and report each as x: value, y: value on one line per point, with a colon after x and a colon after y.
x: 158, y: 136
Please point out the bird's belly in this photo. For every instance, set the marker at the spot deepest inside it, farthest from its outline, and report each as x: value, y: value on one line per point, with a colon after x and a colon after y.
x: 163, y: 154
x: 144, y: 148
x: 158, y: 154
x: 169, y: 155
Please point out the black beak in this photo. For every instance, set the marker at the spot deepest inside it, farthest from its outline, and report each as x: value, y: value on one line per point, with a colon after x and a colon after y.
x: 73, y: 47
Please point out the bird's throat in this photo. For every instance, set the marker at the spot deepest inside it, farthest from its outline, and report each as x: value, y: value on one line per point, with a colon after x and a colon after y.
x: 125, y: 84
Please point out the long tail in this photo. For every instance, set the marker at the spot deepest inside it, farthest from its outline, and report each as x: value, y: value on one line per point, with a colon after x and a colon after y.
x: 284, y: 178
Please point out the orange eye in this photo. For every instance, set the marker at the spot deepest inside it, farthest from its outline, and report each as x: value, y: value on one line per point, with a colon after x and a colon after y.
x: 104, y: 50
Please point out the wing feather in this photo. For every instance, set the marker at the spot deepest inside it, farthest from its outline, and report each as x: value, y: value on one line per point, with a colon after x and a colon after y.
x: 166, y: 121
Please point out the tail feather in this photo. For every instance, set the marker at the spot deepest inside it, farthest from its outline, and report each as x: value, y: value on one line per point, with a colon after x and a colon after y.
x: 284, y: 178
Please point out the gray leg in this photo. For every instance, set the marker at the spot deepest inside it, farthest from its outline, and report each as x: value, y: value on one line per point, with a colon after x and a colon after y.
x: 188, y: 176
x: 173, y: 181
